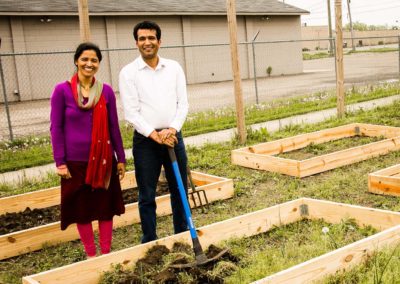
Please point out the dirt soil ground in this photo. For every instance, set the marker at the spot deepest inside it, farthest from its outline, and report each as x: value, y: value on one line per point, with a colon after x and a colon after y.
x: 155, y: 267
x: 13, y: 222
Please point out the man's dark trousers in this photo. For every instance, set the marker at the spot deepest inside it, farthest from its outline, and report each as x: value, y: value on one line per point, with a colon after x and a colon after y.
x: 149, y: 156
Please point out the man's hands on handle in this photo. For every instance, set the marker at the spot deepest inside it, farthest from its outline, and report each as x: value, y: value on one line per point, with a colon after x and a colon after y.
x: 166, y: 137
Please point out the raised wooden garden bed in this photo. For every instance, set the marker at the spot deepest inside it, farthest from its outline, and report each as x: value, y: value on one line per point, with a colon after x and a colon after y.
x: 386, y: 181
x: 47, y: 197
x: 89, y: 271
x: 261, y: 156
x: 216, y: 188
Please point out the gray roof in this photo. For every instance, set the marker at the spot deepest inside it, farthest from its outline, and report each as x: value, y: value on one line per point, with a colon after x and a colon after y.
x: 155, y: 7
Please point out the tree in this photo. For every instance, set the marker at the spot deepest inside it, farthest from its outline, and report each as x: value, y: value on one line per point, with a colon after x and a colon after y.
x: 357, y: 26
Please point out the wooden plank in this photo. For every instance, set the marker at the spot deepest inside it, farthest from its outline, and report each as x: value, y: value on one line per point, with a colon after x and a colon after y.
x: 386, y: 185
x: 385, y: 181
x: 36, y: 199
x: 47, y: 197
x: 348, y: 156
x: 51, y: 196
x: 33, y: 239
x: 373, y: 130
x: 265, y: 162
x: 333, y: 212
x: 89, y: 271
x: 237, y: 86
x: 390, y: 171
x: 204, y: 178
x: 338, y: 260
x: 84, y: 26
x: 339, y: 68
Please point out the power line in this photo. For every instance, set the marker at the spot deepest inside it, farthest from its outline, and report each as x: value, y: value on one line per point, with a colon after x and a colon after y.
x: 374, y: 10
x: 355, y: 12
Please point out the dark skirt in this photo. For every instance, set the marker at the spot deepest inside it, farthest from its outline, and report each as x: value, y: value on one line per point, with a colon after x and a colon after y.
x: 82, y: 204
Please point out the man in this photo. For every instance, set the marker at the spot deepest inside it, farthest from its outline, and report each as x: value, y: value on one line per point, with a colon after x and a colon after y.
x: 153, y: 92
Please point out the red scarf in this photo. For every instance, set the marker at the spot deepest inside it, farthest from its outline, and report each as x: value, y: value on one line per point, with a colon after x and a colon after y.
x: 98, y: 173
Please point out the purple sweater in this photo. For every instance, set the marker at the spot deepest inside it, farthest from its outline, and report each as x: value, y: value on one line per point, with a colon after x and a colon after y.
x: 71, y: 127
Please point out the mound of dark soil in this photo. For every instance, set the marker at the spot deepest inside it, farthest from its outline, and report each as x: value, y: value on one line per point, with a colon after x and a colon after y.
x: 158, y: 267
x: 13, y: 222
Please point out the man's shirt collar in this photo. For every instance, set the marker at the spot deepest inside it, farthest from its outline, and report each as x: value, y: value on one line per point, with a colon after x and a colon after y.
x: 143, y: 64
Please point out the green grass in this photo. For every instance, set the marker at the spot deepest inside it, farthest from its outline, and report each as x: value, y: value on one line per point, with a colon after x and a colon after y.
x: 289, y: 245
x: 204, y: 122
x: 313, y: 150
x: 319, y: 55
x: 259, y: 188
x: 375, y: 50
x: 28, y: 185
x: 16, y: 156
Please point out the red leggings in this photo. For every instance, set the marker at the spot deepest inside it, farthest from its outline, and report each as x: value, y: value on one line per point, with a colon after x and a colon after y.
x: 87, y: 237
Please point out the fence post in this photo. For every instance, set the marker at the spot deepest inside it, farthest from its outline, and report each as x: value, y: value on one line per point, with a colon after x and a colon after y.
x: 254, y: 64
x: 398, y: 39
x: 341, y: 109
x: 6, y: 100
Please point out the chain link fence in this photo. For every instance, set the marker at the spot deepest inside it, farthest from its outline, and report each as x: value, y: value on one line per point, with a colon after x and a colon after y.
x: 269, y: 70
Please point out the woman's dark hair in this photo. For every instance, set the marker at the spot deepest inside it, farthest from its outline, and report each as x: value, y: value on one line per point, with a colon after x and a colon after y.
x: 147, y: 25
x: 87, y: 46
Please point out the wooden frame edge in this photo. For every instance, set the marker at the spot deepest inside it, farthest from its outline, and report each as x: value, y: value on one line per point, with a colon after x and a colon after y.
x: 51, y: 196
x: 240, y: 226
x: 384, y: 182
x: 331, y: 262
x: 247, y: 225
x: 32, y: 239
x: 315, y: 165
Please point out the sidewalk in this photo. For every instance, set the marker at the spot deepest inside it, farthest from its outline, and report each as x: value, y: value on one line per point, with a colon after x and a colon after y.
x: 32, y: 117
x: 218, y: 136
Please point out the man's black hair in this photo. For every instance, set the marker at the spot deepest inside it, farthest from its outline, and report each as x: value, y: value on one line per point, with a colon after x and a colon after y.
x: 147, y: 25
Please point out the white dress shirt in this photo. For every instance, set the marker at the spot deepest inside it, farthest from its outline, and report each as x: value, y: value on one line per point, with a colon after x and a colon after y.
x: 153, y: 98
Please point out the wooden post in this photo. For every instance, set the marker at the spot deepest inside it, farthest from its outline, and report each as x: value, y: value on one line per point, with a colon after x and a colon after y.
x: 231, y: 14
x: 330, y: 27
x: 84, y: 20
x: 353, y: 47
x: 339, y: 60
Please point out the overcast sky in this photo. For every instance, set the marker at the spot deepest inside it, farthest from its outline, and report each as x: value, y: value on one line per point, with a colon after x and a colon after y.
x: 371, y: 12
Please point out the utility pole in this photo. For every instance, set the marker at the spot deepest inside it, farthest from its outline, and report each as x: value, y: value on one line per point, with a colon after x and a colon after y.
x: 339, y: 60
x: 330, y: 27
x: 3, y: 84
x: 84, y: 20
x: 353, y: 47
x: 232, y: 26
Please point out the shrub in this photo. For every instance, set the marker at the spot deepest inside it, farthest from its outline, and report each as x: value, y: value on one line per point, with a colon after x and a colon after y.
x: 269, y: 70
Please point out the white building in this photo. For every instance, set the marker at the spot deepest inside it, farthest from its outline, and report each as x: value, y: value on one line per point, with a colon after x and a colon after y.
x: 31, y: 26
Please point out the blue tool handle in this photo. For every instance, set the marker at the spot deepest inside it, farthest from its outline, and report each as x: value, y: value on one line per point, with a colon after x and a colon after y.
x: 182, y: 193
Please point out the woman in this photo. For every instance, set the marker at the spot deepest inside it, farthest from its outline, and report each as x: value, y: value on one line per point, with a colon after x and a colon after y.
x: 85, y: 134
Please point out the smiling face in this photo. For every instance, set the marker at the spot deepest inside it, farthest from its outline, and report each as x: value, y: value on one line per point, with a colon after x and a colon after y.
x: 87, y: 63
x: 147, y: 43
